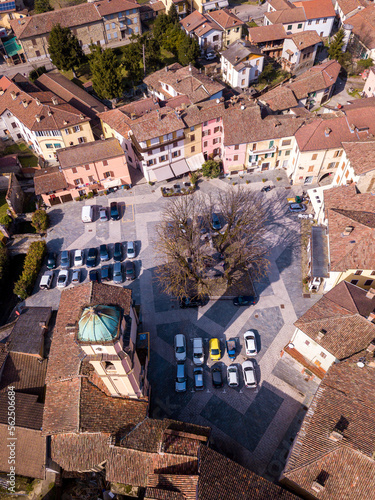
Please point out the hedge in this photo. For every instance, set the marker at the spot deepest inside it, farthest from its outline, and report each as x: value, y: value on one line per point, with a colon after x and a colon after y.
x: 33, y: 263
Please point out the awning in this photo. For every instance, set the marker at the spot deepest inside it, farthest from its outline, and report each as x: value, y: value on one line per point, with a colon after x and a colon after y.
x: 180, y: 167
x: 233, y: 168
x: 112, y: 183
x: 163, y: 173
x: 12, y: 47
x: 195, y: 162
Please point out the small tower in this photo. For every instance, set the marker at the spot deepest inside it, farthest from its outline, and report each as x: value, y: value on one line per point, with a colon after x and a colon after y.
x: 104, y: 334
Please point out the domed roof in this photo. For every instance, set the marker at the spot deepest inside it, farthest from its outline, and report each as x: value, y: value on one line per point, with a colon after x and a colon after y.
x: 98, y: 324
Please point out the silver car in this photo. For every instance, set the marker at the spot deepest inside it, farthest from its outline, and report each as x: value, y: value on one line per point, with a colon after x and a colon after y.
x: 78, y: 258
x: 198, y: 353
x: 180, y: 378
x: 232, y: 376
x: 250, y: 343
x: 62, y: 278
x: 130, y: 254
x: 248, y: 370
x: 180, y: 347
x: 117, y: 273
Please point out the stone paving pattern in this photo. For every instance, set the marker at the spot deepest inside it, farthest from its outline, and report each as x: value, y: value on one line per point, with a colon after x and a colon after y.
x: 247, y: 425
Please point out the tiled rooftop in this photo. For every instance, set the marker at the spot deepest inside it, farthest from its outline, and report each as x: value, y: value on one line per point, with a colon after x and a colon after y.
x: 90, y: 152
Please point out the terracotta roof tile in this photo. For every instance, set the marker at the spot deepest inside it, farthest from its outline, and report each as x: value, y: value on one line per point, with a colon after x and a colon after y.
x: 184, y: 485
x: 281, y: 4
x: 345, y: 403
x: 157, y: 6
x: 225, y: 18
x: 89, y: 152
x: 155, y: 124
x: 348, y: 6
x: 160, y: 494
x: 29, y: 413
x: 117, y: 120
x: 286, y: 16
x: 316, y: 9
x: 305, y: 38
x: 280, y: 98
x: 28, y: 333
x: 360, y: 155
x: 31, y: 452
x: 26, y: 373
x: 50, y: 179
x: 192, y: 21
x: 342, y: 313
x: 364, y: 26
x: 239, y: 50
x: 106, y: 7
x: 268, y: 33
x: 82, y: 451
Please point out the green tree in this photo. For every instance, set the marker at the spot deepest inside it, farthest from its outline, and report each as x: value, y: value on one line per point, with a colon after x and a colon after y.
x: 106, y: 73
x: 173, y: 15
x: 211, y: 169
x: 160, y: 26
x: 40, y: 221
x: 132, y: 62
x: 31, y: 268
x: 172, y: 38
x: 3, y: 261
x: 188, y: 51
x: 36, y: 73
x: 337, y: 43
x: 268, y: 74
x: 365, y: 63
x: 64, y: 49
x: 41, y: 6
x: 6, y: 220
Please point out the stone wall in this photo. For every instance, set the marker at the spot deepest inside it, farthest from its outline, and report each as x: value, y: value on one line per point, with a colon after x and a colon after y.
x: 15, y: 196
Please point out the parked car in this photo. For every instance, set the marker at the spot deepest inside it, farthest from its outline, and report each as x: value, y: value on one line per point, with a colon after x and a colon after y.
x: 181, y: 378
x: 117, y: 273
x: 198, y: 378
x: 180, y: 347
x: 198, y: 352
x: 248, y: 370
x: 62, y: 278
x: 231, y: 347
x: 103, y: 217
x: 214, y: 347
x: 297, y: 207
x: 191, y: 302
x: 51, y: 260
x: 117, y: 252
x: 103, y: 253
x: 76, y: 276
x: 129, y: 270
x: 114, y: 211
x: 250, y: 343
x: 244, y: 300
x: 78, y: 258
x: 65, y: 259
x: 93, y: 276
x: 105, y: 273
x: 216, y: 224
x: 130, y: 253
x: 265, y: 189
x: 232, y: 376
x: 210, y: 56
x: 217, y: 377
x: 46, y: 281
x: 91, y: 257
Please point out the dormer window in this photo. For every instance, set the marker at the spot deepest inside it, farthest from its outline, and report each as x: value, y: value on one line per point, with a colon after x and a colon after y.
x: 319, y: 484
x: 321, y: 333
x: 338, y: 432
x: 109, y: 367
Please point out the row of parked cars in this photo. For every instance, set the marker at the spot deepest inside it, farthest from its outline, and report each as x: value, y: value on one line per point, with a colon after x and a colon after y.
x: 248, y: 366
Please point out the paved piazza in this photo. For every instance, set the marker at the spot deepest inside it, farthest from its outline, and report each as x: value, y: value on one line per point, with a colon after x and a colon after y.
x: 254, y: 427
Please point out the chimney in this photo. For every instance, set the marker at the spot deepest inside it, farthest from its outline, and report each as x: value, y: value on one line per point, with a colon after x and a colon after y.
x: 166, y: 69
x: 37, y: 118
x: 49, y: 112
x: 321, y: 334
x: 37, y: 102
x: 327, y: 131
x: 82, y: 117
x: 133, y: 116
x: 320, y: 482
x: 159, y: 117
x: 14, y: 95
x: 190, y: 67
x: 65, y: 122
x: 335, y: 436
x: 371, y: 346
x: 352, y: 128
x: 2, y: 91
x: 370, y: 293
x: 25, y: 103
x: 348, y: 230
x: 55, y: 102
x: 371, y: 317
x: 237, y: 58
x: 243, y: 106
x: 43, y: 325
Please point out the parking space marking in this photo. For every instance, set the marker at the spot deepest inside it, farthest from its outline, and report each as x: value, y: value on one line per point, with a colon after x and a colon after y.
x: 128, y: 215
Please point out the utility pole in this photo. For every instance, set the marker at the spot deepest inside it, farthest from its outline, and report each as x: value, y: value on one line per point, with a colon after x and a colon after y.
x: 144, y: 60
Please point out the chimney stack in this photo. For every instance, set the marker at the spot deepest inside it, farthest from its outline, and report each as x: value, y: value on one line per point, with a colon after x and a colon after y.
x: 14, y: 95
x: 55, y: 102
x: 37, y: 118
x: 25, y: 103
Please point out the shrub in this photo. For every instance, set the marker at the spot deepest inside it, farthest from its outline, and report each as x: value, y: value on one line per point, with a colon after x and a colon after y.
x: 31, y: 268
x: 305, y: 280
x: 233, y: 183
x: 247, y: 182
x: 90, y: 195
x: 278, y: 178
x: 211, y: 169
x: 193, y: 178
x: 6, y: 220
x: 77, y: 199
x: 40, y: 221
x: 264, y: 180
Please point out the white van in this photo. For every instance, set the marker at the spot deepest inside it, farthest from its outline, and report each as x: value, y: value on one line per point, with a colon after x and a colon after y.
x: 87, y: 213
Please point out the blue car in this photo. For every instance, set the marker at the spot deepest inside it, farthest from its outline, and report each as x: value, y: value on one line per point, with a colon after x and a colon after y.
x: 91, y: 257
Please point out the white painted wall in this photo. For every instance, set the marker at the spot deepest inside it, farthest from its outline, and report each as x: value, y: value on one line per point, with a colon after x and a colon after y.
x: 311, y: 350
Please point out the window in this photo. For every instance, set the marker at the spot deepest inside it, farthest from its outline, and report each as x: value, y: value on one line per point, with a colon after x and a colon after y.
x: 324, y: 20
x: 242, y: 82
x: 77, y: 182
x: 217, y: 140
x: 299, y: 26
x: 368, y: 282
x: 205, y: 124
x: 135, y: 30
x: 81, y: 140
x: 317, y: 21
x: 372, y: 273
x: 49, y: 146
x: 337, y: 153
x: 115, y: 35
x: 128, y: 21
x: 228, y: 42
x: 57, y: 145
x: 37, y: 53
x: 228, y: 32
x: 34, y: 43
x: 309, y: 23
x: 87, y: 167
x: 162, y: 158
x: 205, y: 144
x: 331, y: 165
x: 74, y: 170
x: 358, y: 272
x: 19, y: 136
x: 289, y: 27
x: 218, y: 120
x: 286, y: 142
x: 271, y: 144
x: 215, y: 38
x: 206, y: 132
x: 322, y: 355
x: 109, y: 36
x: 67, y: 131
x: 174, y: 145
x: 216, y: 130
x: 113, y: 26
x: 354, y: 282
x: 192, y: 137
x: 162, y: 148
x: 307, y: 342
x: 308, y: 180
x: 175, y: 154
x: 311, y: 169
x: 279, y: 153
x: 77, y: 128
x: 105, y: 163
x: 106, y: 174
x: 91, y: 179
x: 192, y: 129
x: 192, y: 149
x: 254, y: 147
x: 235, y: 158
x: 107, y: 27
x: 314, y: 156
x: 151, y: 162
x: 14, y: 125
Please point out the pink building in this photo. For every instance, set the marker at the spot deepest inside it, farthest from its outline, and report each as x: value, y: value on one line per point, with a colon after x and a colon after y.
x: 85, y: 168
x: 212, y: 138
x: 234, y: 158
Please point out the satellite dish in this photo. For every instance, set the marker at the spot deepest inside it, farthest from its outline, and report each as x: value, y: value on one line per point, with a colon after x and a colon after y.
x: 360, y: 364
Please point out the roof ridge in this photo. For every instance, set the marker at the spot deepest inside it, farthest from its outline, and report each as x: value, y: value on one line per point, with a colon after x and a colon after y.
x: 346, y: 285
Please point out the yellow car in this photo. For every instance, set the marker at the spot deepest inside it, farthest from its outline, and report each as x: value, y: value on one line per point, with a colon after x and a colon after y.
x: 215, y: 352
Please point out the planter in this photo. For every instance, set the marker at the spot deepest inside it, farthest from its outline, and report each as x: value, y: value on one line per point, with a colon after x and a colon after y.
x: 168, y: 192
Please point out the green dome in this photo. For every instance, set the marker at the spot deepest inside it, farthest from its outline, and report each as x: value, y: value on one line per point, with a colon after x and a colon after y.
x: 98, y: 324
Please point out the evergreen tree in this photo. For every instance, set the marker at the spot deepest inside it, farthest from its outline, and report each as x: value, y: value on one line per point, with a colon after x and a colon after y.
x: 173, y: 15
x: 188, y: 51
x: 41, y: 6
x: 334, y: 49
x: 160, y: 26
x: 64, y: 49
x: 132, y: 57
x: 106, y: 73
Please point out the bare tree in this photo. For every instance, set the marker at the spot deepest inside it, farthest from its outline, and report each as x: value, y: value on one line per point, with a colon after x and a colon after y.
x: 194, y: 251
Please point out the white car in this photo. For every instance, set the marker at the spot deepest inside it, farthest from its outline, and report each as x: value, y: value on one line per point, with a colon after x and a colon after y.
x: 76, y: 276
x: 62, y: 278
x: 232, y: 376
x: 250, y: 343
x: 130, y: 252
x: 78, y: 258
x: 198, y: 353
x: 248, y: 370
x: 180, y: 347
